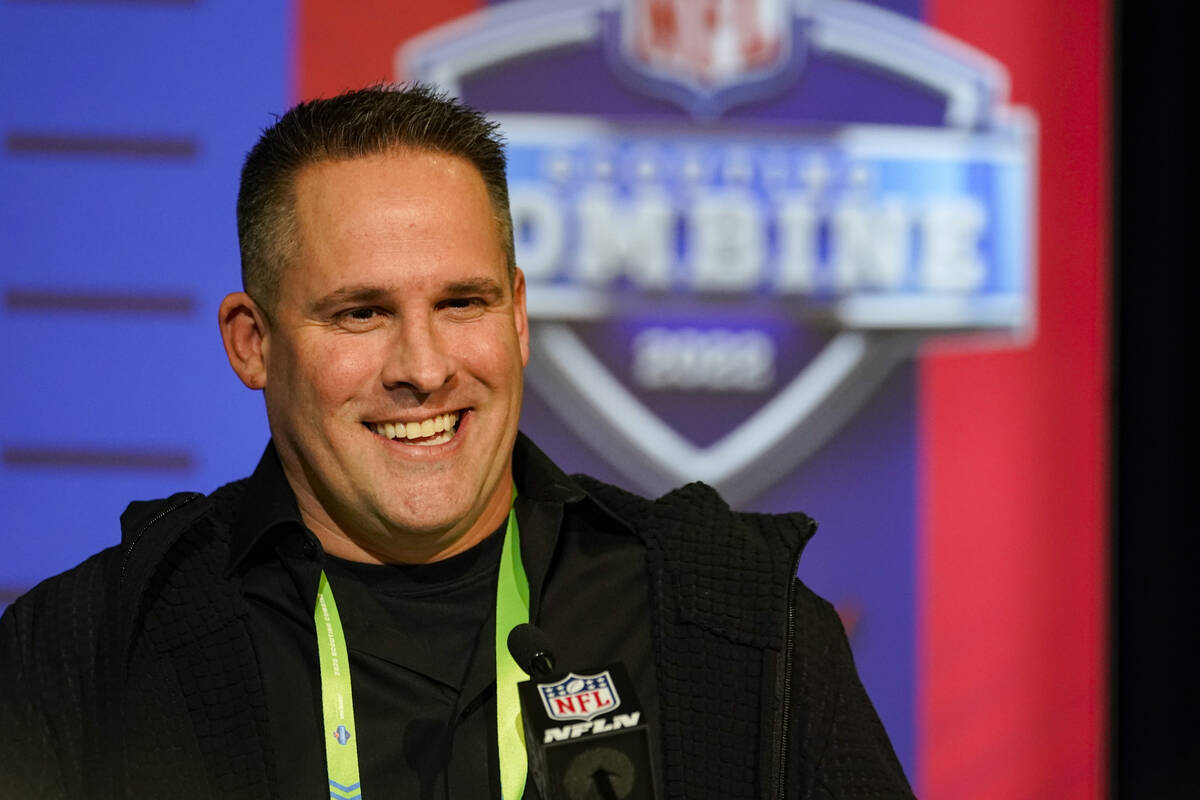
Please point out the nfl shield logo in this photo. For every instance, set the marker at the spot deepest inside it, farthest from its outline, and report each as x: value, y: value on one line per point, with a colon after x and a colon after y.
x: 706, y: 55
x: 581, y: 697
x: 709, y: 43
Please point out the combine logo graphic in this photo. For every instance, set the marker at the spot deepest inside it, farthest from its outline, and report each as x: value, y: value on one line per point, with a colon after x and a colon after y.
x: 724, y: 261
x: 582, y: 697
x: 341, y: 735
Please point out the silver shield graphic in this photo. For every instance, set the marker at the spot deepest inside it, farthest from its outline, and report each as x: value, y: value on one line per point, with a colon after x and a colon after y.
x: 956, y: 196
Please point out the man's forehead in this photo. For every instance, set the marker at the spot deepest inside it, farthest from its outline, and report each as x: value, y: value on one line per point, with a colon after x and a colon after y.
x: 343, y: 168
x: 341, y: 193
x: 368, y: 227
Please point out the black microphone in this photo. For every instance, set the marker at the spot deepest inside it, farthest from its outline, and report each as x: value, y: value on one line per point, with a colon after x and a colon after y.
x: 585, y: 731
x: 531, y: 650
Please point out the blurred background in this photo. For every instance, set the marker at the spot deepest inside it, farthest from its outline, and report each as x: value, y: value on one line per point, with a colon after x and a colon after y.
x: 914, y: 267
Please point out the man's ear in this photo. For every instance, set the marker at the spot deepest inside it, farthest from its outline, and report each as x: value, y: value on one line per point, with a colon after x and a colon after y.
x: 244, y: 329
x: 521, y: 317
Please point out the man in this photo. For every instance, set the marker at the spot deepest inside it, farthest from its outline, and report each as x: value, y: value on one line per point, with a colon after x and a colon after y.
x: 384, y: 320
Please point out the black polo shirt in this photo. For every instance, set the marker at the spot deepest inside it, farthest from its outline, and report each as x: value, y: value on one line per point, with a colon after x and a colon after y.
x: 421, y: 637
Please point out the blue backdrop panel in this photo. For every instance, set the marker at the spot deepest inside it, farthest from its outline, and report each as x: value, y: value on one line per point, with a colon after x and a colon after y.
x: 124, y: 126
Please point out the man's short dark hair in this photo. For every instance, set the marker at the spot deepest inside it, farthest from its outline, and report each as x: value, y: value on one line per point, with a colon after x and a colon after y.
x: 360, y: 123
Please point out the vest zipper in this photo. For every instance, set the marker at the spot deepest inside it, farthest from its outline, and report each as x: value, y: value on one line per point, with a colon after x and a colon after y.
x: 785, y: 712
x: 137, y: 537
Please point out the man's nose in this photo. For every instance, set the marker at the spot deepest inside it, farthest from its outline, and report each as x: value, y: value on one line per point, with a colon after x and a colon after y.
x: 418, y: 357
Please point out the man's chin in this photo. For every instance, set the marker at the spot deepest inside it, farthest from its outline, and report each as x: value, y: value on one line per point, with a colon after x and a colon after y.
x: 427, y: 535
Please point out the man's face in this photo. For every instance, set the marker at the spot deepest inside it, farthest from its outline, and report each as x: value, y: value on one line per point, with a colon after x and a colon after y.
x: 394, y: 359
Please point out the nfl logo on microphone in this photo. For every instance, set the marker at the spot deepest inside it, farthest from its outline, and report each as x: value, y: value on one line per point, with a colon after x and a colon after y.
x: 582, y: 697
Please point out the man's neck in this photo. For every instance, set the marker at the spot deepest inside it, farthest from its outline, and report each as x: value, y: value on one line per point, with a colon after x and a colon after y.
x: 398, y: 546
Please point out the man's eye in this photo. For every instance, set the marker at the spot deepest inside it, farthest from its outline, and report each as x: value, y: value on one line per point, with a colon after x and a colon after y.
x: 360, y: 318
x: 463, y: 302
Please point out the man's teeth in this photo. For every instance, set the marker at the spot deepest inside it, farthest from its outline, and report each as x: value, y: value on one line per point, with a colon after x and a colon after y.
x: 441, y: 428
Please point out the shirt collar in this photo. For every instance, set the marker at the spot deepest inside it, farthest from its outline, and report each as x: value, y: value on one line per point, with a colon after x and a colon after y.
x: 540, y: 479
x: 269, y: 504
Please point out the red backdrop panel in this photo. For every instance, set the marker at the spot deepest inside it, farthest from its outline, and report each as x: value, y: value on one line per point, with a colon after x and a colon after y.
x: 344, y: 45
x: 1015, y: 475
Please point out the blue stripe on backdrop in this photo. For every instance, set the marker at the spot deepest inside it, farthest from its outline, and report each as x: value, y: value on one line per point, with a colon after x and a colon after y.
x: 122, y: 132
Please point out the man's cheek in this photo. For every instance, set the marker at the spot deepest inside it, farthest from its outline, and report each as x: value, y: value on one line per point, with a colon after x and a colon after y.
x: 494, y: 351
x: 344, y: 365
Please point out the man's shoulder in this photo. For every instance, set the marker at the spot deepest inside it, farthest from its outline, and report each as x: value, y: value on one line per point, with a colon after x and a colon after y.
x: 148, y: 527
x: 167, y: 515
x: 698, y: 510
x: 728, y: 572
x: 68, y: 595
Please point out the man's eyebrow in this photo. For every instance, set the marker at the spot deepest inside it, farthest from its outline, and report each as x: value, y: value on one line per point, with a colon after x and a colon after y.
x: 352, y: 294
x: 488, y: 287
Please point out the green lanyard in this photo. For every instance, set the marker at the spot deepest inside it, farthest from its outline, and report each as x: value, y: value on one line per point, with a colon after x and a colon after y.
x: 337, y: 701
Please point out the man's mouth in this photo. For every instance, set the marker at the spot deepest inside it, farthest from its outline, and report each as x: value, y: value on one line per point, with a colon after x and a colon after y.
x: 437, y: 429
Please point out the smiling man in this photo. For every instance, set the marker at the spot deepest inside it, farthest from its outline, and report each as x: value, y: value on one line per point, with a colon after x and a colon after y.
x: 328, y: 627
x: 390, y: 354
